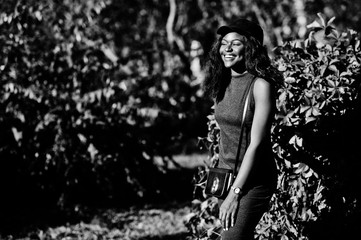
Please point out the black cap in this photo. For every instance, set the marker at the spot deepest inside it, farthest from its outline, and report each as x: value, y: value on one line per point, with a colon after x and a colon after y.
x: 243, y: 27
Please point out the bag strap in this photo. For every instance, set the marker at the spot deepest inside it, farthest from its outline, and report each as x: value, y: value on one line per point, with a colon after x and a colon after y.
x: 245, y: 107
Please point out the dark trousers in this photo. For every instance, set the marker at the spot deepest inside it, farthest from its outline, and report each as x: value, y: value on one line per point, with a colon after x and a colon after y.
x: 252, y: 206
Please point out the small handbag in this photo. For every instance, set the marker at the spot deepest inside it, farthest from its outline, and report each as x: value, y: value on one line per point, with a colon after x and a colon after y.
x: 220, y: 180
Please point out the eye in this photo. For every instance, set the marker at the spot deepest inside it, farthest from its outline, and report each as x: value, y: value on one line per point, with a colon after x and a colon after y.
x: 237, y: 43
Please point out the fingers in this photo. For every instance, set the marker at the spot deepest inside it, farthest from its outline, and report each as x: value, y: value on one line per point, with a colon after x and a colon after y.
x: 228, y: 215
x: 228, y: 219
x: 223, y: 218
x: 233, y: 219
x: 224, y: 222
x: 227, y: 223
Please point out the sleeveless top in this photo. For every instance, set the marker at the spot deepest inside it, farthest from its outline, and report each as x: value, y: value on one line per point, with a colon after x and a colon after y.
x: 228, y: 114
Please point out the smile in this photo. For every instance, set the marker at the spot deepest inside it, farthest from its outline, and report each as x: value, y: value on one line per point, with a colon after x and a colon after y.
x: 229, y: 57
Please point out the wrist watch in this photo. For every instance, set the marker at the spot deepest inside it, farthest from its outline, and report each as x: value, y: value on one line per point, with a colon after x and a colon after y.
x: 236, y: 190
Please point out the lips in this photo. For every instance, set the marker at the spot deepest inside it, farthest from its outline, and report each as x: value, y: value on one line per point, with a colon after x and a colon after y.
x: 229, y: 57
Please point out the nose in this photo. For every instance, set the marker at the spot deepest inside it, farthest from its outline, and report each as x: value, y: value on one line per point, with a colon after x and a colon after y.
x: 229, y: 47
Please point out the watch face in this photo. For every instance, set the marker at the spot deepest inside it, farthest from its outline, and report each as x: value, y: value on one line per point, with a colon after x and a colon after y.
x: 237, y: 190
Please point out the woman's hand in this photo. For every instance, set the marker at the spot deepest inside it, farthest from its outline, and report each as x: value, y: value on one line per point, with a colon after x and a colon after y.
x: 228, y: 210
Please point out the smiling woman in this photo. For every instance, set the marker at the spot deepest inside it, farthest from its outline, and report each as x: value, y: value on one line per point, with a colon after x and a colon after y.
x: 238, y: 64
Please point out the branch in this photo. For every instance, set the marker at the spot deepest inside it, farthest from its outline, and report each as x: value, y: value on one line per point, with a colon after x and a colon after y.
x: 170, y: 21
x: 175, y: 42
x: 263, y: 24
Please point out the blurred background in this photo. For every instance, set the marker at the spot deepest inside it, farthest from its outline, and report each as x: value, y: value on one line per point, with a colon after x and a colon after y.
x: 102, y: 108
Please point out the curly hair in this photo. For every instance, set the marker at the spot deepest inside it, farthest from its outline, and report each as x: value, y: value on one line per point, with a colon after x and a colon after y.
x: 257, y: 63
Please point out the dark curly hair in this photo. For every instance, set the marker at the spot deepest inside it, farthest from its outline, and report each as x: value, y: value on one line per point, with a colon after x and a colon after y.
x: 257, y: 63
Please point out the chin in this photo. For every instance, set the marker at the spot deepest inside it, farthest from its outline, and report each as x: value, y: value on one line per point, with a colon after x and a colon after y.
x: 228, y: 65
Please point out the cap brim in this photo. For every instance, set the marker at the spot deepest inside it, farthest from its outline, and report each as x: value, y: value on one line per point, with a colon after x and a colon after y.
x: 224, y: 30
x: 243, y: 27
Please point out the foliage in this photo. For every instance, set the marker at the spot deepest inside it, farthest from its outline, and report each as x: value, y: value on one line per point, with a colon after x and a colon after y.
x: 314, y: 144
x: 322, y: 83
x: 81, y: 117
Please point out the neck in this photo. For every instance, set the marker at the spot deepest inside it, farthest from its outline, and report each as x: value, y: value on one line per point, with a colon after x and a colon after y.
x: 237, y: 73
x: 238, y: 69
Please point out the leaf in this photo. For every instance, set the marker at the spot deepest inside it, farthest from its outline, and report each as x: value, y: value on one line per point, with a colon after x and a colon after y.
x: 331, y: 83
x: 290, y: 80
x: 333, y: 68
x: 17, y: 134
x: 284, y: 237
x: 109, y: 53
x: 296, y: 141
x: 204, y: 205
x: 346, y: 73
x: 299, y: 63
x: 310, y: 119
x: 82, y: 138
x: 315, y: 24
x: 304, y: 108
x: 282, y: 68
x: 322, y: 70
x: 315, y: 111
x: 331, y: 21
x: 333, y: 61
x: 92, y: 151
x: 323, y: 23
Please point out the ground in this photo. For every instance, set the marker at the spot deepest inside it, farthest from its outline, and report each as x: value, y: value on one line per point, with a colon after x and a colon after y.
x: 147, y: 222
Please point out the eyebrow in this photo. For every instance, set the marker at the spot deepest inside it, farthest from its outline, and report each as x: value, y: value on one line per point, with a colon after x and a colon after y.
x: 236, y: 39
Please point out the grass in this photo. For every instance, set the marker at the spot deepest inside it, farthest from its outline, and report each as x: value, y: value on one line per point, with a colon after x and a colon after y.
x: 146, y: 223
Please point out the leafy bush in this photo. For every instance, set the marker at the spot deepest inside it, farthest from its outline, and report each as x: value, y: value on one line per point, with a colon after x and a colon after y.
x: 314, y: 143
x: 82, y: 119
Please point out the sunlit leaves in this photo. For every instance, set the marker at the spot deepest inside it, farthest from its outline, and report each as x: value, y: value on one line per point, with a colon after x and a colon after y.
x: 316, y: 97
x: 322, y: 85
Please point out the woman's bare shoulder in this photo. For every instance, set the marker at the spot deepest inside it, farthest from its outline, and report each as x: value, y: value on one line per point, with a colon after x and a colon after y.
x: 261, y: 86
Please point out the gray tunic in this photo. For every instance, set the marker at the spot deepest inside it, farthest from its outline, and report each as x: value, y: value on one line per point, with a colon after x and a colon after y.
x: 228, y: 114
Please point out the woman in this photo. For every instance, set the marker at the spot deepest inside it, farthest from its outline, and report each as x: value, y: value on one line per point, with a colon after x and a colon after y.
x: 238, y: 62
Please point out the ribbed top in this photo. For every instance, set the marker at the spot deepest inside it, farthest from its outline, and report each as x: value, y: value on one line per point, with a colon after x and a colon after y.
x: 228, y: 114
